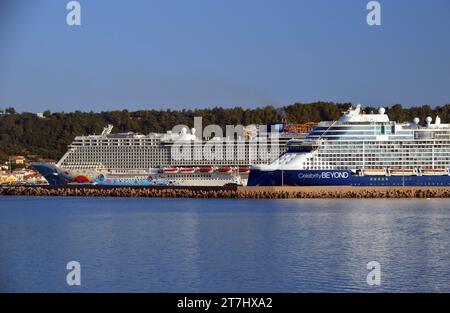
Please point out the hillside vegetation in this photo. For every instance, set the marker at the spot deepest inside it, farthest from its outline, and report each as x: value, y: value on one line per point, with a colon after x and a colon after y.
x: 27, y: 134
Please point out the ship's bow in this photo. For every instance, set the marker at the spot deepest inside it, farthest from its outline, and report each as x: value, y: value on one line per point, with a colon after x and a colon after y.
x: 53, y: 174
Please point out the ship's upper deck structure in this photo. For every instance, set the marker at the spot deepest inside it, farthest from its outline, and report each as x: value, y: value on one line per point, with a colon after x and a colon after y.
x: 133, y: 152
x: 358, y: 140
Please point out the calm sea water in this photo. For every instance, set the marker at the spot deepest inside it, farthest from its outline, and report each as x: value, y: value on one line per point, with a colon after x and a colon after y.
x: 181, y: 245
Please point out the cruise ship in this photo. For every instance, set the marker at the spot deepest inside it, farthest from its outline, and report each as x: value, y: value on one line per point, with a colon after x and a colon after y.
x: 361, y: 149
x: 171, y: 158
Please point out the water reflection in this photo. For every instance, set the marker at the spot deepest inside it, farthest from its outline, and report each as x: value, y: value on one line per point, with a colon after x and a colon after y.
x: 170, y: 245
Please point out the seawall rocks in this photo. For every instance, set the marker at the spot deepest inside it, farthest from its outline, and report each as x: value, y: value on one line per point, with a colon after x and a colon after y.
x: 229, y: 192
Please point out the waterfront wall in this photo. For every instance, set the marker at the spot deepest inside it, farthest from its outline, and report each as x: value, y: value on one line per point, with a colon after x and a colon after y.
x: 230, y: 192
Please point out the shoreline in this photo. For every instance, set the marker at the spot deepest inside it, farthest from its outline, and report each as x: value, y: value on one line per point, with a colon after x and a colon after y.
x: 234, y: 192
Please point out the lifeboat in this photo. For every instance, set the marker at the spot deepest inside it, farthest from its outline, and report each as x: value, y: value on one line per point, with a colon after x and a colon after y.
x: 224, y: 169
x: 170, y: 170
x: 187, y: 170
x: 206, y: 169
x: 434, y: 171
x: 374, y: 171
x: 403, y: 171
x: 244, y: 170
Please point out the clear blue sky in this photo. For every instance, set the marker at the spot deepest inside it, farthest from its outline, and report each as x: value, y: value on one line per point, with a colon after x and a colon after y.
x: 200, y: 53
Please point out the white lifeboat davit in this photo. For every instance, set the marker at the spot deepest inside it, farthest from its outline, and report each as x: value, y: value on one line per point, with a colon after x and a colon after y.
x: 403, y: 171
x: 434, y: 171
x: 374, y: 171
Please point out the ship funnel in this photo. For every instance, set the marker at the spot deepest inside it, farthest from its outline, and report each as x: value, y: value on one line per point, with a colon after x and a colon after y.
x: 437, y: 121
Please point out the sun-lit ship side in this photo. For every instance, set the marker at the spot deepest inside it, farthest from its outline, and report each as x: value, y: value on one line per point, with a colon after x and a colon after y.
x: 363, y: 149
x: 135, y: 159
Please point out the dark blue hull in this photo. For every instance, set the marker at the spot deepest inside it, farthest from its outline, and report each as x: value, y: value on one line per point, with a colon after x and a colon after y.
x: 54, y: 175
x: 338, y: 178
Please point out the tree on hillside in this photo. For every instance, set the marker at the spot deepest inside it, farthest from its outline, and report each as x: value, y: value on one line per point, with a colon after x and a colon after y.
x: 10, y: 110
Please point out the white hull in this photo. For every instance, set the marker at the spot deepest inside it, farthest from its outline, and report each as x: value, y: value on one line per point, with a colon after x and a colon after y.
x: 179, y: 179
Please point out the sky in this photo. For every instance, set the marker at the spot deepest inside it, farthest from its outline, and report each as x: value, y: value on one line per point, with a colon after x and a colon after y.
x: 186, y: 54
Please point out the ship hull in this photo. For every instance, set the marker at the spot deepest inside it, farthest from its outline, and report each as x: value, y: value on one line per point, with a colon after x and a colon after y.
x: 338, y: 178
x: 53, y: 174
x: 57, y: 176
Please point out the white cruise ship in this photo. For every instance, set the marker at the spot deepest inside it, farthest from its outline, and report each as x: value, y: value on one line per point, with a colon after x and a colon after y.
x: 179, y: 158
x: 361, y: 149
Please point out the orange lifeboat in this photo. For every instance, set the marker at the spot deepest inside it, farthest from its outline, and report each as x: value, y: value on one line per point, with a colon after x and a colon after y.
x: 170, y: 170
x: 244, y: 170
x: 205, y: 169
x: 224, y: 170
x: 187, y: 170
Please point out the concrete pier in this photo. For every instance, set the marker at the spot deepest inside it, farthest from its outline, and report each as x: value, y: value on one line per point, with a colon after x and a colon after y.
x: 229, y: 192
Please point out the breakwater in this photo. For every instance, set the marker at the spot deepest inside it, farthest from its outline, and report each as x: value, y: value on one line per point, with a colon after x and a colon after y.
x: 229, y: 192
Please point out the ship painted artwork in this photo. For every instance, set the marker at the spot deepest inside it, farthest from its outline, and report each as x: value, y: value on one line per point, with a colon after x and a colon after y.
x: 362, y: 149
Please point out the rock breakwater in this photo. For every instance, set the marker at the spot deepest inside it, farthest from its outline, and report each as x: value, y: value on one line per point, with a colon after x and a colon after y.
x: 229, y: 192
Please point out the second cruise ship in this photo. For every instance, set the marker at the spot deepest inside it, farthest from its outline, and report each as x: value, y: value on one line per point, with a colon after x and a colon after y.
x: 362, y: 149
